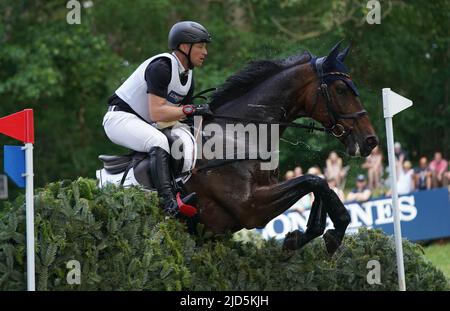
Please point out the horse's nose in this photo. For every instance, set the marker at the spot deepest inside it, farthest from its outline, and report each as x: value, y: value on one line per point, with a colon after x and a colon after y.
x: 371, y: 141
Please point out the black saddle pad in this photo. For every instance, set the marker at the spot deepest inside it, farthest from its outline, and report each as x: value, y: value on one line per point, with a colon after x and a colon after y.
x: 116, y: 164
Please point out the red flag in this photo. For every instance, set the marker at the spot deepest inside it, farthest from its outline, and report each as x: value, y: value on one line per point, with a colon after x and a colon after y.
x: 19, y: 125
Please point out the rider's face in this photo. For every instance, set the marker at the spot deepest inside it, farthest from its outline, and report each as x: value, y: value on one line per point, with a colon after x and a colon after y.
x: 198, y: 54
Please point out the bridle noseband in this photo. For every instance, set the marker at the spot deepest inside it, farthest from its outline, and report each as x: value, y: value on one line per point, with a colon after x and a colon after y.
x: 336, y: 129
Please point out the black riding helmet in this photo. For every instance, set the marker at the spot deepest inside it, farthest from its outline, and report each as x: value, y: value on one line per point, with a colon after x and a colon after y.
x: 187, y: 32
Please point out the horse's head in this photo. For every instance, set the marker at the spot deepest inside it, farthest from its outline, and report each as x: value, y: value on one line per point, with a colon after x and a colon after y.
x: 333, y: 101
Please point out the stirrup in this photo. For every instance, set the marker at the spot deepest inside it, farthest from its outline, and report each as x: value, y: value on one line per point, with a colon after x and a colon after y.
x: 171, y: 209
x: 184, y: 204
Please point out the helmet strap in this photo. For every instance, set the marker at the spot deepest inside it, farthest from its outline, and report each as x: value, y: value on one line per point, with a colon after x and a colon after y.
x: 188, y: 57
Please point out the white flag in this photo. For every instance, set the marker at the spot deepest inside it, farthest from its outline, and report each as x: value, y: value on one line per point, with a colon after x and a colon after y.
x: 393, y: 103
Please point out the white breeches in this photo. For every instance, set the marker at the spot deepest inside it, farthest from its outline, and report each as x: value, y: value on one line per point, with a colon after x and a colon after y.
x: 128, y: 130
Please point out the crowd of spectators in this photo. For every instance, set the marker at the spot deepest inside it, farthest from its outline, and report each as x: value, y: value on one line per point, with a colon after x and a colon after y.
x: 423, y: 177
x: 376, y: 181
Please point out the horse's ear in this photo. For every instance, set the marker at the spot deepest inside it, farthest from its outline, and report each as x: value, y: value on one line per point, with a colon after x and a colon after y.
x: 334, y: 52
x: 341, y: 57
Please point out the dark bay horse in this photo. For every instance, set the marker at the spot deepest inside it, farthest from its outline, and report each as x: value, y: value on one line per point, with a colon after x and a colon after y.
x: 241, y: 195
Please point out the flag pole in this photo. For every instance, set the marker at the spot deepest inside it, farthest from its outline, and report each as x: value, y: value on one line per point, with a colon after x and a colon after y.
x: 20, y: 126
x: 29, y: 216
x: 392, y: 172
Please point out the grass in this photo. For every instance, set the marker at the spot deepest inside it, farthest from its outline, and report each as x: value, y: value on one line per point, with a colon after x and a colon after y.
x: 439, y: 254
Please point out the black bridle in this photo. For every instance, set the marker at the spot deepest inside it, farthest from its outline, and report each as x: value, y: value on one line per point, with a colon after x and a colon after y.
x: 336, y: 128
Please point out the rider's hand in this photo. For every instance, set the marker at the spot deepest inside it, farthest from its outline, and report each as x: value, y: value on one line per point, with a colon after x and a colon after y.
x: 199, y: 110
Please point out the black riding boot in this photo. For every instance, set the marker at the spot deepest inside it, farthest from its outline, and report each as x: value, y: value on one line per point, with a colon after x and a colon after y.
x: 162, y: 180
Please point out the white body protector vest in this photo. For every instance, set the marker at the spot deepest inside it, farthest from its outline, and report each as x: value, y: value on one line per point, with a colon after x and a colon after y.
x: 134, y: 90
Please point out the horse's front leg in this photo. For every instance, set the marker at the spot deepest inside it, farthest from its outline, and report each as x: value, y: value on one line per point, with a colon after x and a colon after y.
x: 326, y: 202
x: 314, y: 228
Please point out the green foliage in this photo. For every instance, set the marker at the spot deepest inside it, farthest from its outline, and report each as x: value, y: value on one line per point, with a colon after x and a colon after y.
x: 123, y: 242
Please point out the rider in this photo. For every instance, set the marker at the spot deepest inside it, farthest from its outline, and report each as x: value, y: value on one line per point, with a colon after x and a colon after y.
x: 159, y: 90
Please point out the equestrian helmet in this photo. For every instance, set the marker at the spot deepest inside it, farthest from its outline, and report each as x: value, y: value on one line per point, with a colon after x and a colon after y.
x: 187, y: 32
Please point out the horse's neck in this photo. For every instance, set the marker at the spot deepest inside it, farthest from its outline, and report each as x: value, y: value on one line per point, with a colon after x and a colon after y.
x: 264, y: 102
x: 272, y: 100
x: 275, y: 99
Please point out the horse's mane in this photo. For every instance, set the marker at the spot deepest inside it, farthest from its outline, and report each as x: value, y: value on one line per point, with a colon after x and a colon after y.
x: 253, y: 74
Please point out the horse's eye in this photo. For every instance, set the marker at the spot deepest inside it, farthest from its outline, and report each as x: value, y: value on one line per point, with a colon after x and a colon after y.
x: 340, y: 89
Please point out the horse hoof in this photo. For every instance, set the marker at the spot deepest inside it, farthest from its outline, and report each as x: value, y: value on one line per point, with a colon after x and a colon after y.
x: 332, y: 241
x: 292, y: 240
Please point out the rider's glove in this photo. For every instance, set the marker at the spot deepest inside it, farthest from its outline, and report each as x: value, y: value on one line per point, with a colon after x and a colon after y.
x: 199, y: 110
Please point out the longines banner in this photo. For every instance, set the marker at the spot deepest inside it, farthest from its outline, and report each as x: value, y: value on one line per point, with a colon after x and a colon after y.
x: 424, y: 215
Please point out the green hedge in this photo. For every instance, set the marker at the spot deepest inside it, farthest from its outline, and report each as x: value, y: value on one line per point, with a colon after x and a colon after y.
x: 123, y: 242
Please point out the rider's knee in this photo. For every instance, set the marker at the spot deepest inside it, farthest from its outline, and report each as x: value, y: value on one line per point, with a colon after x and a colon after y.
x: 157, y: 140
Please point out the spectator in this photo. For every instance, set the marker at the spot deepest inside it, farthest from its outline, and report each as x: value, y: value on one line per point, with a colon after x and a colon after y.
x: 334, y: 169
x: 405, y: 178
x: 422, y: 175
x: 315, y: 170
x: 374, y: 166
x: 289, y: 175
x: 333, y: 186
x: 400, y: 154
x: 298, y: 171
x: 447, y: 178
x: 361, y: 193
x: 438, y: 167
